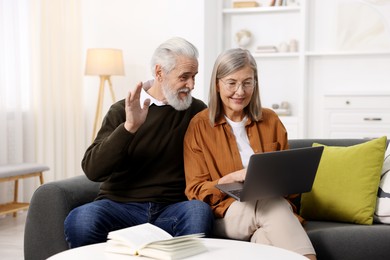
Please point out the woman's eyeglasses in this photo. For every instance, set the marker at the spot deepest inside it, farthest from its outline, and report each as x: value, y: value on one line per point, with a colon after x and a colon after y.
x: 232, y: 85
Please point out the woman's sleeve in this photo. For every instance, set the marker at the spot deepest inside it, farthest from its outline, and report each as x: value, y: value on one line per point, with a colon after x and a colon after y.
x: 199, y: 183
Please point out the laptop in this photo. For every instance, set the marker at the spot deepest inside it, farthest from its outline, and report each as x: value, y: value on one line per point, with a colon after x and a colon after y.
x: 278, y: 173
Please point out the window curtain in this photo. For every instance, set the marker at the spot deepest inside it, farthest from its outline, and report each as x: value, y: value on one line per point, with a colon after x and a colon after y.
x: 17, y: 140
x: 58, y: 74
x: 41, y: 116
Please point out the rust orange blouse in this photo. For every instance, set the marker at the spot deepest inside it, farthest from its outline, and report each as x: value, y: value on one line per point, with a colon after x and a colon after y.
x: 211, y: 152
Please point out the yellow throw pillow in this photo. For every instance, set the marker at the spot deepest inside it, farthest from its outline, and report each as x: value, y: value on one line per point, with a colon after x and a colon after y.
x: 346, y: 183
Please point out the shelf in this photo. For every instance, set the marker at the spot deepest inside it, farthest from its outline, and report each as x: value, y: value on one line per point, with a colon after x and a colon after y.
x: 267, y: 9
x: 276, y: 55
x: 320, y: 68
x: 273, y: 26
x: 347, y: 53
x: 289, y: 119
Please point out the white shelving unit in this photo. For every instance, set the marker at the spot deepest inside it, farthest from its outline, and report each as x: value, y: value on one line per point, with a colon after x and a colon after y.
x: 327, y: 61
x: 346, y: 61
x: 273, y: 25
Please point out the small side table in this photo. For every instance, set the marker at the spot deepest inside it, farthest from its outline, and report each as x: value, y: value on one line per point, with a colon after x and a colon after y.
x: 14, y: 172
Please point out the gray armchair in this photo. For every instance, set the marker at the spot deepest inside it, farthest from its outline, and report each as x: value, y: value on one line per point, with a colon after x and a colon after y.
x: 49, y: 206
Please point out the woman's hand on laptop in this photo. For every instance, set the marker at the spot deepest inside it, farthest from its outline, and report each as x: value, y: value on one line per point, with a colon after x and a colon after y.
x: 237, y: 176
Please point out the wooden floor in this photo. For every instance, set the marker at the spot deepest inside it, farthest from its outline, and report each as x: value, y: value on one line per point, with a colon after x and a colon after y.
x: 11, y: 236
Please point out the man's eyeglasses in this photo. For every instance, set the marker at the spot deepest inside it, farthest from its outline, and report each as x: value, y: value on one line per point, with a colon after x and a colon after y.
x: 233, y: 85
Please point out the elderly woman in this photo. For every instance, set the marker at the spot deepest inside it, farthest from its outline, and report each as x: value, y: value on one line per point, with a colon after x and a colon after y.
x: 217, y: 147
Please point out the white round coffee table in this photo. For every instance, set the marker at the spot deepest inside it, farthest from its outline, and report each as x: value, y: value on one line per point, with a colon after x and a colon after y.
x: 218, y: 249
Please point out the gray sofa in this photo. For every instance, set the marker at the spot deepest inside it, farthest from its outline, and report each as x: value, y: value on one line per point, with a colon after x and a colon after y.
x: 51, y: 202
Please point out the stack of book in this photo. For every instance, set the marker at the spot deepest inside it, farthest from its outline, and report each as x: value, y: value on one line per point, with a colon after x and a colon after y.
x: 266, y: 49
x: 245, y: 4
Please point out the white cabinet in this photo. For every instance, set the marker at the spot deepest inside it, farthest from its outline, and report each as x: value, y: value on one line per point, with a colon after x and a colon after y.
x: 357, y: 116
x: 343, y: 47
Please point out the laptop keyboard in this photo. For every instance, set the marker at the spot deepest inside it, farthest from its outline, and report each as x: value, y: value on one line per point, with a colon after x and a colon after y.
x: 236, y: 192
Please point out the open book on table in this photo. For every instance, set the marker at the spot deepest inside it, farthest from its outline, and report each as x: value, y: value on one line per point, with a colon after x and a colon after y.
x: 152, y: 241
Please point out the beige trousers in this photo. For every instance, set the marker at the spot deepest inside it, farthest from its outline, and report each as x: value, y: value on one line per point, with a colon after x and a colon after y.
x: 267, y: 221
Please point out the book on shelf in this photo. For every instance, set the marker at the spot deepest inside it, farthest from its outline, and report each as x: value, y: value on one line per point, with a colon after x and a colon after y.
x: 245, y: 4
x: 266, y: 49
x: 152, y: 241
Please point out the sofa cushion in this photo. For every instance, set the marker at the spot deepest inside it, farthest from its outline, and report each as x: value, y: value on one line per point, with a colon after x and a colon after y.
x: 346, y: 183
x: 382, y: 211
x: 336, y: 240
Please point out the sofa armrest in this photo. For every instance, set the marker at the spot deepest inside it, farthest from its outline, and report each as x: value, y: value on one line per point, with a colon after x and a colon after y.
x: 49, y: 206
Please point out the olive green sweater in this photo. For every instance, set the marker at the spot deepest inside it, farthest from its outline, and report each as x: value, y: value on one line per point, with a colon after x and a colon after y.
x: 143, y: 167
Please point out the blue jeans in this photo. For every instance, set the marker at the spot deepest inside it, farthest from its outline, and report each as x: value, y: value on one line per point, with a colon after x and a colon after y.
x: 90, y: 223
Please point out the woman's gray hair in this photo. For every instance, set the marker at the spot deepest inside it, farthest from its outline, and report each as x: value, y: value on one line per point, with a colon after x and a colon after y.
x: 227, y: 63
x: 165, y: 55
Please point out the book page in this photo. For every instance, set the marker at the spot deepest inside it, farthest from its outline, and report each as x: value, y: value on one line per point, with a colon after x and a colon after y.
x: 173, y: 247
x: 137, y: 236
x: 176, y: 240
x: 177, y: 253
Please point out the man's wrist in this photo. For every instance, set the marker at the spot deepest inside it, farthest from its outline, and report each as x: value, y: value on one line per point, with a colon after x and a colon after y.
x: 129, y: 128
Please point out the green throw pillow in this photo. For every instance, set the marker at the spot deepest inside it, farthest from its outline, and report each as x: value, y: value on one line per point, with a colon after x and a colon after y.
x: 346, y: 183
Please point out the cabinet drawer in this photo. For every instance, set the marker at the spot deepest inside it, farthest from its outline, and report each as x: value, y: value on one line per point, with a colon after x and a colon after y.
x: 362, y: 119
x: 353, y: 102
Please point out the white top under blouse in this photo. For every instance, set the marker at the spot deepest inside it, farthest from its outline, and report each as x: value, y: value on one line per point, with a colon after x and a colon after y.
x: 242, y: 140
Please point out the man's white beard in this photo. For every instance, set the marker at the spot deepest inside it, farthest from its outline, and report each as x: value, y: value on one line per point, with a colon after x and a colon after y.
x: 174, y: 100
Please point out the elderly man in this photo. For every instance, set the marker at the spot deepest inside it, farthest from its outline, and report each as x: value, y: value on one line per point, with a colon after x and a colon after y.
x: 138, y: 156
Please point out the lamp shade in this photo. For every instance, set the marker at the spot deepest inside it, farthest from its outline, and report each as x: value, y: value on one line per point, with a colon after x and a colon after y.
x: 104, y: 62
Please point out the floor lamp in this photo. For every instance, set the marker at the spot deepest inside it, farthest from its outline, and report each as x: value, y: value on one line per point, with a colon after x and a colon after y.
x: 104, y: 63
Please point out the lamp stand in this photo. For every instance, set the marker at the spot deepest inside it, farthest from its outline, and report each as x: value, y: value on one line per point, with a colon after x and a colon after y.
x: 99, y: 106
